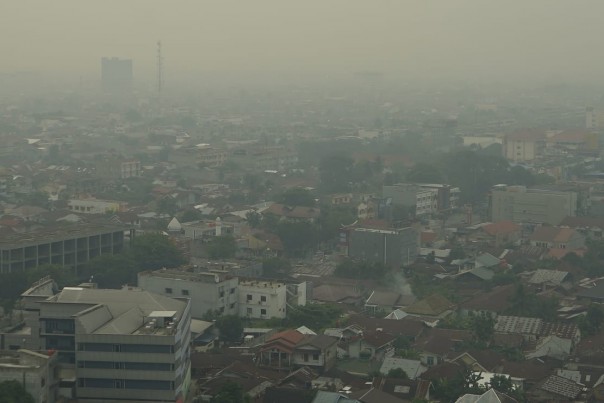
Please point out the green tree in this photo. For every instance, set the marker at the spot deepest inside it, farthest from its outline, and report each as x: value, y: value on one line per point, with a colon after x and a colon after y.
x: 230, y: 392
x: 361, y: 269
x: 191, y: 215
x: 297, y: 197
x: 222, y: 247
x: 397, y: 373
x: 592, y: 322
x: 111, y: 271
x: 424, y: 172
x: 483, y: 328
x: 254, y: 219
x: 38, y: 199
x: 315, y: 316
x: 332, y: 219
x: 62, y: 275
x: 14, y: 392
x: 336, y: 173
x: 154, y: 251
x: 275, y: 267
x: 230, y: 327
x: 298, y: 237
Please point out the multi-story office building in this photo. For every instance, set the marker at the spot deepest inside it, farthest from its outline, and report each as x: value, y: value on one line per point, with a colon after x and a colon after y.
x: 392, y: 247
x: 214, y: 291
x: 262, y: 299
x: 522, y: 205
x: 114, y: 168
x: 427, y: 198
x: 126, y: 344
x: 69, y: 246
x: 116, y: 74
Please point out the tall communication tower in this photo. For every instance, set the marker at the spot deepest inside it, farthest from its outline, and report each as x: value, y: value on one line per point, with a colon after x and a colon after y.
x: 159, y: 68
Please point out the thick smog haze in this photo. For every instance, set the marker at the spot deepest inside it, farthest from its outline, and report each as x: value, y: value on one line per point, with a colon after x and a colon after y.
x: 539, y: 39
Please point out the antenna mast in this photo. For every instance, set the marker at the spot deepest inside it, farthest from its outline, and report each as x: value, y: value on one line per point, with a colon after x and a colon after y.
x: 159, y: 68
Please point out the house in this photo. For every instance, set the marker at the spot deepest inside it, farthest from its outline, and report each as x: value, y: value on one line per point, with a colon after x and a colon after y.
x: 387, y: 300
x: 490, y: 396
x: 413, y: 368
x: 291, y: 348
x: 478, y: 360
x: 370, y: 345
x: 436, y: 344
x: 543, y: 278
x: 555, y: 388
x: 406, y: 327
x: 293, y: 213
x: 497, y: 234
x: 588, y: 226
x: 316, y: 351
x: 558, y: 240
x: 550, y: 346
x: 529, y: 328
x: 435, y: 305
x: 593, y: 293
x: 492, y: 303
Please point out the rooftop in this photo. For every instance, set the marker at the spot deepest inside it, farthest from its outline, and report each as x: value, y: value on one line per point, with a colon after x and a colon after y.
x: 55, y: 234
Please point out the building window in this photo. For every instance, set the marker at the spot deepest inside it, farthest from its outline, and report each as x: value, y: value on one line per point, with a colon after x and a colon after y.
x: 315, y: 357
x: 168, y: 290
x: 232, y: 306
x: 263, y: 312
x: 430, y: 360
x: 185, y: 292
x: 233, y: 290
x: 305, y: 357
x: 249, y: 311
x: 249, y: 297
x: 263, y: 298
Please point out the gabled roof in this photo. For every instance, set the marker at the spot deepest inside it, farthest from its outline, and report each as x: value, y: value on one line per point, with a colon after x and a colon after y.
x: 552, y: 234
x: 553, y: 277
x: 583, y: 222
x: 496, y: 300
x: 490, y: 396
x: 413, y: 368
x: 501, y: 227
x: 561, y: 386
x: 433, y: 305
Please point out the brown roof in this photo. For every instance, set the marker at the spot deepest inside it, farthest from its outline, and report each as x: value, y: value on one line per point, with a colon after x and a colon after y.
x: 428, y: 236
x: 583, y: 222
x: 441, y: 341
x: 496, y: 300
x: 552, y: 234
x: 405, y: 327
x: 378, y: 339
x: 531, y: 370
x: 501, y: 227
x: 446, y: 370
x: 334, y: 293
x: 433, y: 305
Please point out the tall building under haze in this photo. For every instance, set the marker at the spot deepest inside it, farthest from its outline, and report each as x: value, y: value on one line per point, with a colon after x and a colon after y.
x: 116, y: 74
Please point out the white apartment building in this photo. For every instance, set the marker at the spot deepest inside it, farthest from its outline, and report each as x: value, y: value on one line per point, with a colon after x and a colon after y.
x: 209, y: 291
x: 119, y: 345
x: 96, y: 206
x: 261, y: 299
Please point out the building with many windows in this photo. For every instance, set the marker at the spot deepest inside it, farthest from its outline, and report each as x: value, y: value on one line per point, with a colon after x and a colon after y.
x: 262, y: 299
x: 126, y: 344
x: 209, y: 291
x: 70, y: 246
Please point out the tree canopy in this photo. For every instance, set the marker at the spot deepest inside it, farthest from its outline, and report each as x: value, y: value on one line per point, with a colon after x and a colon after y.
x: 14, y: 392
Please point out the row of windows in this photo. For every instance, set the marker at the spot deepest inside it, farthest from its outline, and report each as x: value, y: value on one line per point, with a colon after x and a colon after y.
x: 126, y: 348
x: 169, y: 290
x: 250, y: 312
x: 138, y: 366
x: 125, y: 384
x: 262, y: 298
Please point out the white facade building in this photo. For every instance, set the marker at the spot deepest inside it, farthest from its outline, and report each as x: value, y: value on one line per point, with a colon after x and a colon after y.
x: 209, y: 291
x: 262, y: 299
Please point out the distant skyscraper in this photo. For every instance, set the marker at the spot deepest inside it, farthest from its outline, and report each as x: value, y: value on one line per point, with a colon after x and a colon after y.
x: 116, y: 74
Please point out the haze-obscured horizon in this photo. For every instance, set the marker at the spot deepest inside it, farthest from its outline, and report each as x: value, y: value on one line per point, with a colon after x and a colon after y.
x: 462, y: 39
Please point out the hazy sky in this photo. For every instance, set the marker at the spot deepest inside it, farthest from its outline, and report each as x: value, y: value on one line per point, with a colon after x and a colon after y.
x: 528, y: 38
